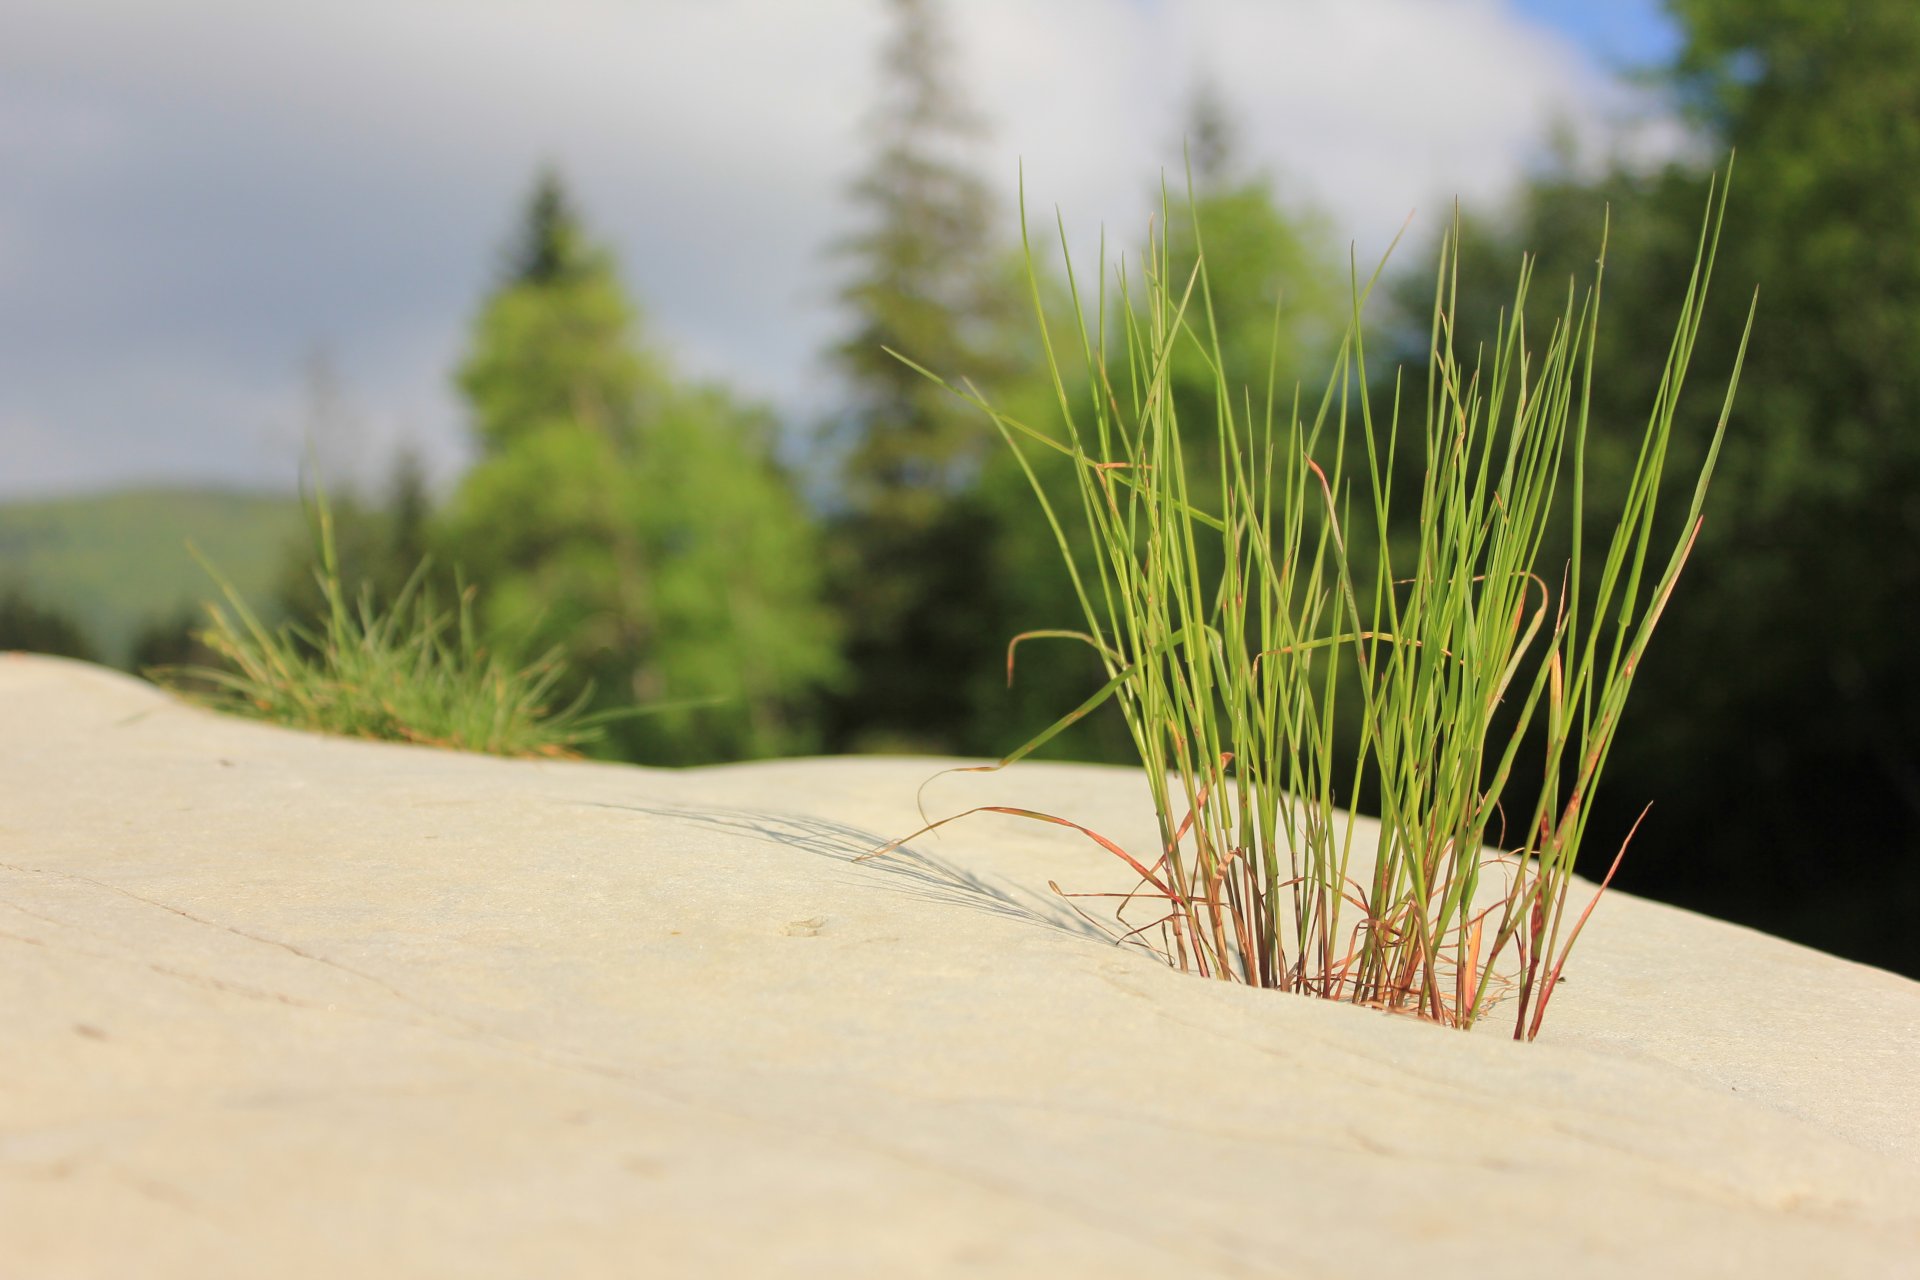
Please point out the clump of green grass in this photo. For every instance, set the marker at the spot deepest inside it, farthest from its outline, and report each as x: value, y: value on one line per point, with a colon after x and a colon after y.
x: 404, y: 671
x: 1233, y: 635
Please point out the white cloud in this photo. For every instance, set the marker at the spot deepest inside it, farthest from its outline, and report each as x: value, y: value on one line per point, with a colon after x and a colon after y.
x: 229, y: 184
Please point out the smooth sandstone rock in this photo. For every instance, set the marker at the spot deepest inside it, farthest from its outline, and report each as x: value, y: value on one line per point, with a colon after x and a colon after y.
x: 273, y: 1004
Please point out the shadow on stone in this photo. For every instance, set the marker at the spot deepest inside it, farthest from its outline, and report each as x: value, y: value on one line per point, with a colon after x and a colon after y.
x: 908, y: 870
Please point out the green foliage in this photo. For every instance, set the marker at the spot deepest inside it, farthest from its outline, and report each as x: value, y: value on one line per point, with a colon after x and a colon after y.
x: 1804, y: 623
x: 398, y: 670
x: 637, y: 523
x: 1778, y: 730
x: 31, y: 627
x: 114, y: 562
x: 1228, y: 666
x: 1820, y: 100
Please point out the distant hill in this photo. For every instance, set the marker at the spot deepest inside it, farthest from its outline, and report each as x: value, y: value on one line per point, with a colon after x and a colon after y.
x: 115, y: 561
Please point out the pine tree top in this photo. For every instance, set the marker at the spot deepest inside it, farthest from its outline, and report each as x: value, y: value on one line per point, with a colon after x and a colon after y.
x: 551, y: 246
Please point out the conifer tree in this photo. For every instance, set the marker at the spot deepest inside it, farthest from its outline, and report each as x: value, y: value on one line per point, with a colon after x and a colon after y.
x: 924, y: 280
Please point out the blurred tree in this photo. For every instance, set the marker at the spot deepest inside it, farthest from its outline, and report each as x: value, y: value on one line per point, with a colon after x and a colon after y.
x: 1777, y: 721
x: 31, y: 627
x: 548, y: 248
x: 925, y: 282
x: 555, y: 342
x: 638, y: 523
x: 1817, y: 557
x: 1212, y: 141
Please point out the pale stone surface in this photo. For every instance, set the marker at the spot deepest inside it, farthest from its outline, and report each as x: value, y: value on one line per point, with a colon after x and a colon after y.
x: 272, y: 1004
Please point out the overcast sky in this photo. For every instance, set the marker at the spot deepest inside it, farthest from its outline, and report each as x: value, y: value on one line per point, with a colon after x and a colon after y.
x: 199, y: 198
